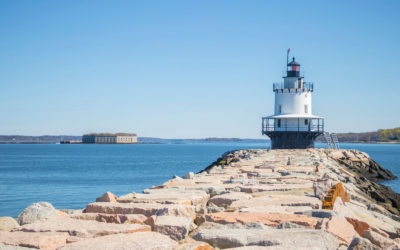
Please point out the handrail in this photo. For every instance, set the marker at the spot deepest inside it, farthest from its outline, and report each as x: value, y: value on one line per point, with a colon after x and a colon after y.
x: 302, y: 128
x: 306, y: 86
x: 270, y: 125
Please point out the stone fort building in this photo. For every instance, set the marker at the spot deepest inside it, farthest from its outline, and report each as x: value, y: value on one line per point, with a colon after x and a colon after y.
x: 106, y: 138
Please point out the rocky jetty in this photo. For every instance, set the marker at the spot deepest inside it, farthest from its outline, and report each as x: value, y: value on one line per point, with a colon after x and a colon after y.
x: 247, y: 199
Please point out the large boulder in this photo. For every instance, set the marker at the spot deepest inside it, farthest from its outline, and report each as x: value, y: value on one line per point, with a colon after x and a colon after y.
x: 375, y: 220
x: 277, y: 209
x: 111, y: 218
x: 340, y: 228
x: 9, y: 247
x: 37, y: 211
x: 7, y: 223
x: 147, y: 209
x: 177, y: 228
x: 82, y: 228
x: 336, y: 154
x: 190, y: 244
x: 359, y: 243
x: 379, y: 240
x: 274, y: 187
x: 359, y: 226
x: 277, y: 200
x: 189, y: 175
x: 211, y: 208
x: 181, y: 211
x: 266, y: 219
x: 225, y: 200
x: 287, y: 225
x: 319, y: 213
x: 107, y: 197
x: 167, y: 196
x: 42, y: 240
x: 140, y: 240
x: 233, y: 235
x: 322, y: 185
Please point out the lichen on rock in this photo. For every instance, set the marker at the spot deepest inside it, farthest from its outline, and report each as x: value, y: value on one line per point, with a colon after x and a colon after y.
x: 334, y: 192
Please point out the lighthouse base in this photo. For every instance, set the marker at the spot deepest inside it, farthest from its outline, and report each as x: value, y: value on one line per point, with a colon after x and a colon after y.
x: 292, y: 140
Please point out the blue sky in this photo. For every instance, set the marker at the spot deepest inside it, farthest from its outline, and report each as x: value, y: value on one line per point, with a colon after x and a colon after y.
x: 193, y: 69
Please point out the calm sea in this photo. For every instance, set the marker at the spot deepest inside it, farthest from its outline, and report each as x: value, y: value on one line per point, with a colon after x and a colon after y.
x: 70, y: 176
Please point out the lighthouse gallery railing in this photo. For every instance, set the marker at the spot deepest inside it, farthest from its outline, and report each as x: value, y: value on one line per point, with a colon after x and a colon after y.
x: 304, y: 86
x: 272, y: 125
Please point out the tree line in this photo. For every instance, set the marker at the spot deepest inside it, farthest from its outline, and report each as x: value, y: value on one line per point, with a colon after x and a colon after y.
x: 382, y: 135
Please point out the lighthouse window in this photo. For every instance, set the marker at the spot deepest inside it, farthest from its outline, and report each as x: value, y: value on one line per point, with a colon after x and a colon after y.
x: 280, y: 109
x: 279, y: 123
x: 306, y: 121
x: 305, y: 108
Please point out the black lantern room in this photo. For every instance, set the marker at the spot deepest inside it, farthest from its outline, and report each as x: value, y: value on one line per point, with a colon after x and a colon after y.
x: 293, y: 69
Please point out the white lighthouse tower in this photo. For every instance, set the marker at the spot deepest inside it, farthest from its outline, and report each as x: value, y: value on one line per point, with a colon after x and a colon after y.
x: 293, y: 125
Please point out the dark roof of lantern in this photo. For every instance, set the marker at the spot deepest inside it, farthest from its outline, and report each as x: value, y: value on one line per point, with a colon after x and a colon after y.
x: 293, y: 63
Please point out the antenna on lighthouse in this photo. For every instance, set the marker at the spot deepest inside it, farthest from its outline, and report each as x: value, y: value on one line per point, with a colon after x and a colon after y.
x: 287, y: 56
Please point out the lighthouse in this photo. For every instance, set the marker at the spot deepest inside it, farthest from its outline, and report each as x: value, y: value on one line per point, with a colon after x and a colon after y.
x: 293, y: 125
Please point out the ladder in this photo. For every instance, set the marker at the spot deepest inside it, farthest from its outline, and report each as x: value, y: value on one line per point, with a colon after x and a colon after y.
x: 335, y: 141
x: 328, y: 140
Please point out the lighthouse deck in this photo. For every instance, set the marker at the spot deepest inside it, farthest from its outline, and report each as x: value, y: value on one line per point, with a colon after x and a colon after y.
x: 297, y: 87
x: 292, y: 124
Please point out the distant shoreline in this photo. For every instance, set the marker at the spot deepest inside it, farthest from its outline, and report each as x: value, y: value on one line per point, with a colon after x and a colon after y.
x: 139, y: 143
x: 373, y: 142
x: 205, y: 141
x: 365, y: 142
x: 55, y: 139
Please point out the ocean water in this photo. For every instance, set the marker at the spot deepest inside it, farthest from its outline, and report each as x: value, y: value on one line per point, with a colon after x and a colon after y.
x: 70, y: 176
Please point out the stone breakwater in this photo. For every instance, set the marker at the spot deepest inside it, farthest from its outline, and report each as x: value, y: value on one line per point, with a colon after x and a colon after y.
x: 247, y: 199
